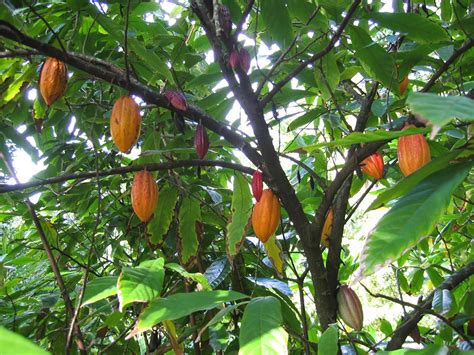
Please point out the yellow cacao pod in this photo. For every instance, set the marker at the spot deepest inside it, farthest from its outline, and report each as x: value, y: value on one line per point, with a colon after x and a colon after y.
x: 327, y: 228
x: 266, y: 215
x: 52, y: 80
x: 144, y: 195
x: 403, y: 85
x: 413, y: 152
x: 125, y: 123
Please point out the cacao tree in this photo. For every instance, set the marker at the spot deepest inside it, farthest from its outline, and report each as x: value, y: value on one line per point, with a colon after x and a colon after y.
x: 137, y: 137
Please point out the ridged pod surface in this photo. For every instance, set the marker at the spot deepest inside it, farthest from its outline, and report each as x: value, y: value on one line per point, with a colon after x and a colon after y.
x: 350, y: 308
x: 257, y: 185
x: 403, y: 85
x: 125, y: 123
x: 413, y: 152
x: 144, y: 195
x: 52, y: 80
x: 201, y: 141
x: 244, y: 59
x: 327, y: 228
x: 266, y: 216
x: 373, y: 166
x: 234, y: 59
x: 177, y: 100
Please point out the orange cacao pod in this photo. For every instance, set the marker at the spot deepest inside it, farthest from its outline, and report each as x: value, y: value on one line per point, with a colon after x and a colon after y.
x: 373, y: 165
x: 52, y: 80
x: 266, y: 216
x: 350, y: 308
x: 413, y: 152
x: 125, y: 123
x: 257, y: 185
x: 201, y: 141
x: 144, y: 195
x: 327, y: 228
x: 403, y: 85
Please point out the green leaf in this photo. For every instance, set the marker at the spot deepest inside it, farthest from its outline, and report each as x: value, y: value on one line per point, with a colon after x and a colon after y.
x: 14, y: 344
x: 241, y: 209
x: 412, y: 218
x: 261, y: 331
x: 327, y: 75
x: 100, y: 288
x: 441, y: 109
x: 410, y: 181
x: 374, y: 59
x: 386, y: 327
x: 179, y: 305
x: 189, y: 214
x: 430, y: 349
x: 305, y: 119
x: 414, y: 26
x: 277, y: 20
x: 140, y: 284
x: 328, y: 342
x: 196, y: 276
x: 442, y: 301
x: 160, y: 223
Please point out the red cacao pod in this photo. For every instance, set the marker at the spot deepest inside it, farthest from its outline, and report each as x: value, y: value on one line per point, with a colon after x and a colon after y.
x: 403, y: 85
x: 125, y: 121
x: 266, y: 216
x: 244, y: 60
x: 177, y: 100
x: 144, y: 195
x: 52, y: 80
x: 327, y: 228
x: 224, y: 19
x: 413, y: 152
x: 373, y: 166
x: 234, y: 59
x: 350, y: 308
x: 201, y: 141
x: 257, y: 184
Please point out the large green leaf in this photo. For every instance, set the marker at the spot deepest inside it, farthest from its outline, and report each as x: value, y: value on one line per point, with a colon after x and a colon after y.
x: 163, y: 215
x: 180, y: 305
x: 328, y: 342
x: 195, y: 276
x: 276, y: 18
x: 374, y: 59
x: 327, y: 75
x: 241, y: 210
x: 140, y: 284
x: 189, y: 214
x: 441, y: 109
x: 407, y: 183
x: 100, y: 288
x: 414, y: 26
x: 430, y: 349
x: 14, y: 344
x: 412, y: 218
x: 261, y: 332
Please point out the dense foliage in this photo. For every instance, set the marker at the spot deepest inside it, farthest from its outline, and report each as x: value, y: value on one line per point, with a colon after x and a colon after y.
x: 301, y: 90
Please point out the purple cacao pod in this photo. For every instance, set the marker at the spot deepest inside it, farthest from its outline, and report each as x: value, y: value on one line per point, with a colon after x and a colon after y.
x: 244, y: 60
x: 350, y: 308
x: 224, y: 19
x: 201, y: 141
x: 234, y: 59
x: 257, y: 184
x: 176, y: 99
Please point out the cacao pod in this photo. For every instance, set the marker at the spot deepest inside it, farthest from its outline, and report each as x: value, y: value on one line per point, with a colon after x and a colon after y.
x: 327, y: 228
x: 224, y: 19
x: 373, y: 166
x: 201, y: 141
x: 350, y: 308
x: 266, y: 215
x: 244, y: 60
x: 52, y: 80
x: 125, y: 123
x: 234, y: 59
x: 144, y: 195
x: 403, y: 85
x: 413, y: 152
x: 177, y: 100
x: 257, y: 184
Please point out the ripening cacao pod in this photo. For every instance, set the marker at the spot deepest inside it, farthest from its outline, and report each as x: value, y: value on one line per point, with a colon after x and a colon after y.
x: 201, y: 141
x: 373, y: 165
x: 224, y: 19
x: 257, y: 184
x: 52, y: 80
x: 177, y: 100
x: 350, y: 308
x: 234, y: 59
x: 403, y: 85
x: 266, y: 216
x: 244, y: 60
x: 327, y: 228
x: 125, y: 123
x: 413, y: 152
x: 144, y: 195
